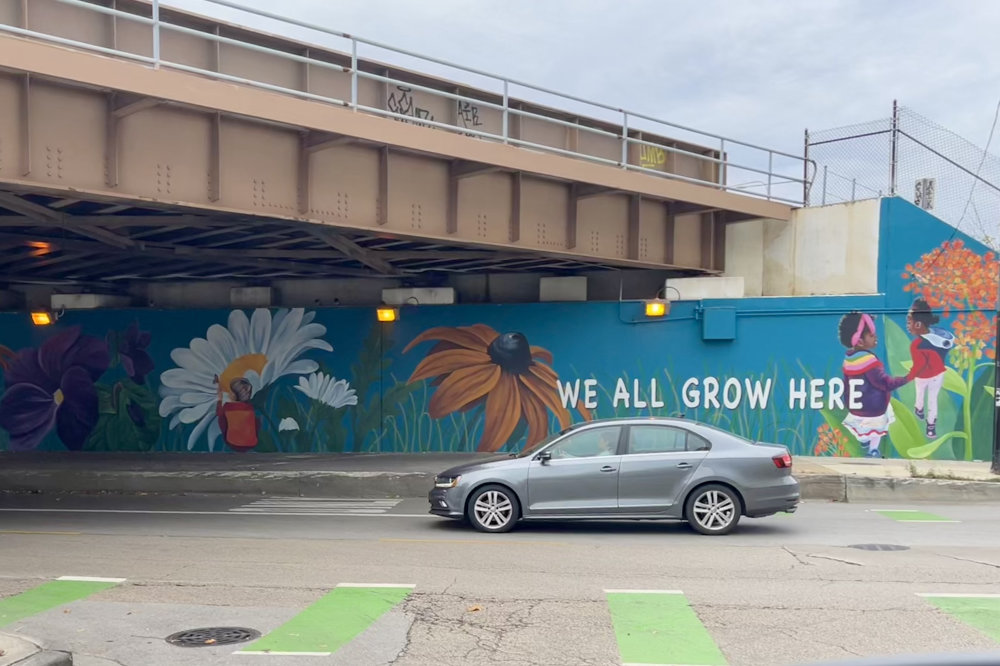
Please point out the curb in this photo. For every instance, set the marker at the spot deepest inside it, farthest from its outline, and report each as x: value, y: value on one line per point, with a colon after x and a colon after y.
x: 47, y: 658
x: 395, y: 485
x: 17, y: 651
x: 835, y: 488
x: 305, y: 484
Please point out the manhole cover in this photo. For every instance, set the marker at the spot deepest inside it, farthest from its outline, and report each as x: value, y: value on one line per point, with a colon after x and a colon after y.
x: 209, y: 636
x: 878, y: 546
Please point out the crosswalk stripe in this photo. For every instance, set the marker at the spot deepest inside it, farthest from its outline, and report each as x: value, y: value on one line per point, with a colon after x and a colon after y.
x: 317, y: 506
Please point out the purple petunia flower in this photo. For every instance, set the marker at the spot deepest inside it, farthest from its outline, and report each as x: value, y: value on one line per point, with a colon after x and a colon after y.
x: 132, y: 352
x: 53, y: 386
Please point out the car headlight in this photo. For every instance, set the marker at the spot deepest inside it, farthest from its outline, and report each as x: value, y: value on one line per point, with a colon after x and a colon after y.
x: 446, y: 481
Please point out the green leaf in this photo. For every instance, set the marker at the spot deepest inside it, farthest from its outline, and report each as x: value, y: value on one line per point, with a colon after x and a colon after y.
x: 105, y: 403
x: 906, y: 432
x: 953, y: 382
x: 897, y: 347
x: 983, y: 409
x: 129, y: 420
x: 926, y: 450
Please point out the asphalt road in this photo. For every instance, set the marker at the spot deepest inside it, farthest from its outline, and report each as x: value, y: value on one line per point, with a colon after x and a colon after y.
x: 780, y: 590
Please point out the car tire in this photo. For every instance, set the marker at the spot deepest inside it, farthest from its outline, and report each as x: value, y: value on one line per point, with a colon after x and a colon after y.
x: 713, y: 509
x: 493, y: 509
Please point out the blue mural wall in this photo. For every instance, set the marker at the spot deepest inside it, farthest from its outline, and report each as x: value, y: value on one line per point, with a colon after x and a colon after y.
x: 903, y: 381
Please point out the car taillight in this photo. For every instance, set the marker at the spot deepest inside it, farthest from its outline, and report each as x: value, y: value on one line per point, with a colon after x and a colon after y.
x: 783, y: 461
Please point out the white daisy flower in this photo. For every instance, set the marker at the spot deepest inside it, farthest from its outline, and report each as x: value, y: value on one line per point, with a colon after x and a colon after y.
x: 328, y: 390
x: 260, y: 349
x: 288, y: 424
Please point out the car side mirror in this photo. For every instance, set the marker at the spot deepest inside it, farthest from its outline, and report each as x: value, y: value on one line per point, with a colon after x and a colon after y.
x: 544, y: 456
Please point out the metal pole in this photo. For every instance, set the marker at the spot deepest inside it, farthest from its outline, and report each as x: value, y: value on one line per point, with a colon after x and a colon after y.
x: 894, y: 140
x: 506, y: 107
x: 825, y: 167
x: 722, y: 164
x: 805, y: 170
x: 854, y: 188
x: 354, y: 74
x: 156, y: 34
x: 624, y: 139
x: 770, y: 170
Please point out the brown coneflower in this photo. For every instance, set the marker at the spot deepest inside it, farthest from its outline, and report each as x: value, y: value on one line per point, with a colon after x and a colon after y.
x: 473, y: 364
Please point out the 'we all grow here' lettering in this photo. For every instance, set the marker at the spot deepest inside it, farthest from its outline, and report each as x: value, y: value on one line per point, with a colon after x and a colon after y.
x: 715, y: 393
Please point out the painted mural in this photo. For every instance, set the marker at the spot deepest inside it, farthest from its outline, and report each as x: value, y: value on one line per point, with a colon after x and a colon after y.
x: 905, y: 374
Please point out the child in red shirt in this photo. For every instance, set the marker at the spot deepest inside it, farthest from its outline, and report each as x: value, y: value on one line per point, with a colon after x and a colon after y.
x: 928, y: 351
x: 237, y: 419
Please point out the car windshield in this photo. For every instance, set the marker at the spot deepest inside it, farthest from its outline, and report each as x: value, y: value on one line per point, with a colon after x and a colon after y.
x: 532, y: 450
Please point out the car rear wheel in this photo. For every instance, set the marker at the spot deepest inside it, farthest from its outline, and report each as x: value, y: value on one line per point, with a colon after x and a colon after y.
x: 713, y: 509
x: 493, y: 509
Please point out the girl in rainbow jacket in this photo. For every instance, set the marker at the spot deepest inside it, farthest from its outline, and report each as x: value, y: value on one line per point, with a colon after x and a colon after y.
x: 870, y: 413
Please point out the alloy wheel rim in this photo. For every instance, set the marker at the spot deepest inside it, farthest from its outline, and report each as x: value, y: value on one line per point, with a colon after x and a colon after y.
x: 493, y: 509
x: 714, y: 510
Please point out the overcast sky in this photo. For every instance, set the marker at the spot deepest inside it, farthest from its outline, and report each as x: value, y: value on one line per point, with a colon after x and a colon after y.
x: 760, y: 70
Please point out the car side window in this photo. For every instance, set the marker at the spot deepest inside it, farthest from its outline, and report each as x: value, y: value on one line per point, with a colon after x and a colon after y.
x: 657, y: 439
x: 593, y: 442
x: 698, y: 443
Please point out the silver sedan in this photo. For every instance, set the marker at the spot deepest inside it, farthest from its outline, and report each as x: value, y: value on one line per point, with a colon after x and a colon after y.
x: 643, y: 468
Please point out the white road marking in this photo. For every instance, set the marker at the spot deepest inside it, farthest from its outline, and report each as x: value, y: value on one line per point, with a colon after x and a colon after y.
x: 92, y: 579
x: 643, y: 592
x: 285, y: 654
x: 220, y: 513
x: 957, y: 595
x: 409, y: 585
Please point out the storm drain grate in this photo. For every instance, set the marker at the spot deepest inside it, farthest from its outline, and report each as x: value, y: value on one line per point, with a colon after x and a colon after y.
x: 878, y: 546
x: 210, y: 636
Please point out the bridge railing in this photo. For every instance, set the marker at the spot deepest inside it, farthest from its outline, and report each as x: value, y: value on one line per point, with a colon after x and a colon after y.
x: 498, y: 109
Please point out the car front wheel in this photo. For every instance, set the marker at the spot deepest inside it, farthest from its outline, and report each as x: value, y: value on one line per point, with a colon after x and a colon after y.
x: 713, y: 509
x: 493, y: 509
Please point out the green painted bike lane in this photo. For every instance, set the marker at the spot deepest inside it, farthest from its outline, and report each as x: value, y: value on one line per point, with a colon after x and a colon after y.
x: 331, y: 622
x: 981, y: 611
x: 51, y: 595
x: 655, y: 627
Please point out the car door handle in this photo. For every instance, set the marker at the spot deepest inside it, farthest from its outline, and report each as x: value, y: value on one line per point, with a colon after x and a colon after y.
x: 608, y: 468
x: 683, y: 465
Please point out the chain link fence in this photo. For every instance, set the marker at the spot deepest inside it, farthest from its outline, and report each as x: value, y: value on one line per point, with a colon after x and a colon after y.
x: 909, y: 156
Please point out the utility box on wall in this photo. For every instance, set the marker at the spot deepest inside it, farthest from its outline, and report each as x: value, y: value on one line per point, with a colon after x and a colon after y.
x: 718, y: 324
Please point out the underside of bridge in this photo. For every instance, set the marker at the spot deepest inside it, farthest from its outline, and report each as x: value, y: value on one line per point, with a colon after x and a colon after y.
x: 114, y: 171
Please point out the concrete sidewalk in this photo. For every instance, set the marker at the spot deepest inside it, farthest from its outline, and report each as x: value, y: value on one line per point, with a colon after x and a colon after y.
x: 411, y: 475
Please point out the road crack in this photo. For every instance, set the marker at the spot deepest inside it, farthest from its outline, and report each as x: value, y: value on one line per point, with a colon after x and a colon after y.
x: 835, y: 559
x: 966, y: 559
x: 796, y: 556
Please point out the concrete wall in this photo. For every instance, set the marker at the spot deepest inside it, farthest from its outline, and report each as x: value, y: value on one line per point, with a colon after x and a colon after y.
x: 820, y: 251
x: 471, y: 288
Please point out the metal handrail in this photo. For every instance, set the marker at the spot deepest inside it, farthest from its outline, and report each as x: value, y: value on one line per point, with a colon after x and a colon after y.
x: 721, y: 163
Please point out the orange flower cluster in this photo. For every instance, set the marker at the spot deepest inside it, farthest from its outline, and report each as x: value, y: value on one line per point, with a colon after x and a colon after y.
x: 974, y: 332
x: 954, y: 277
x: 830, y: 442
